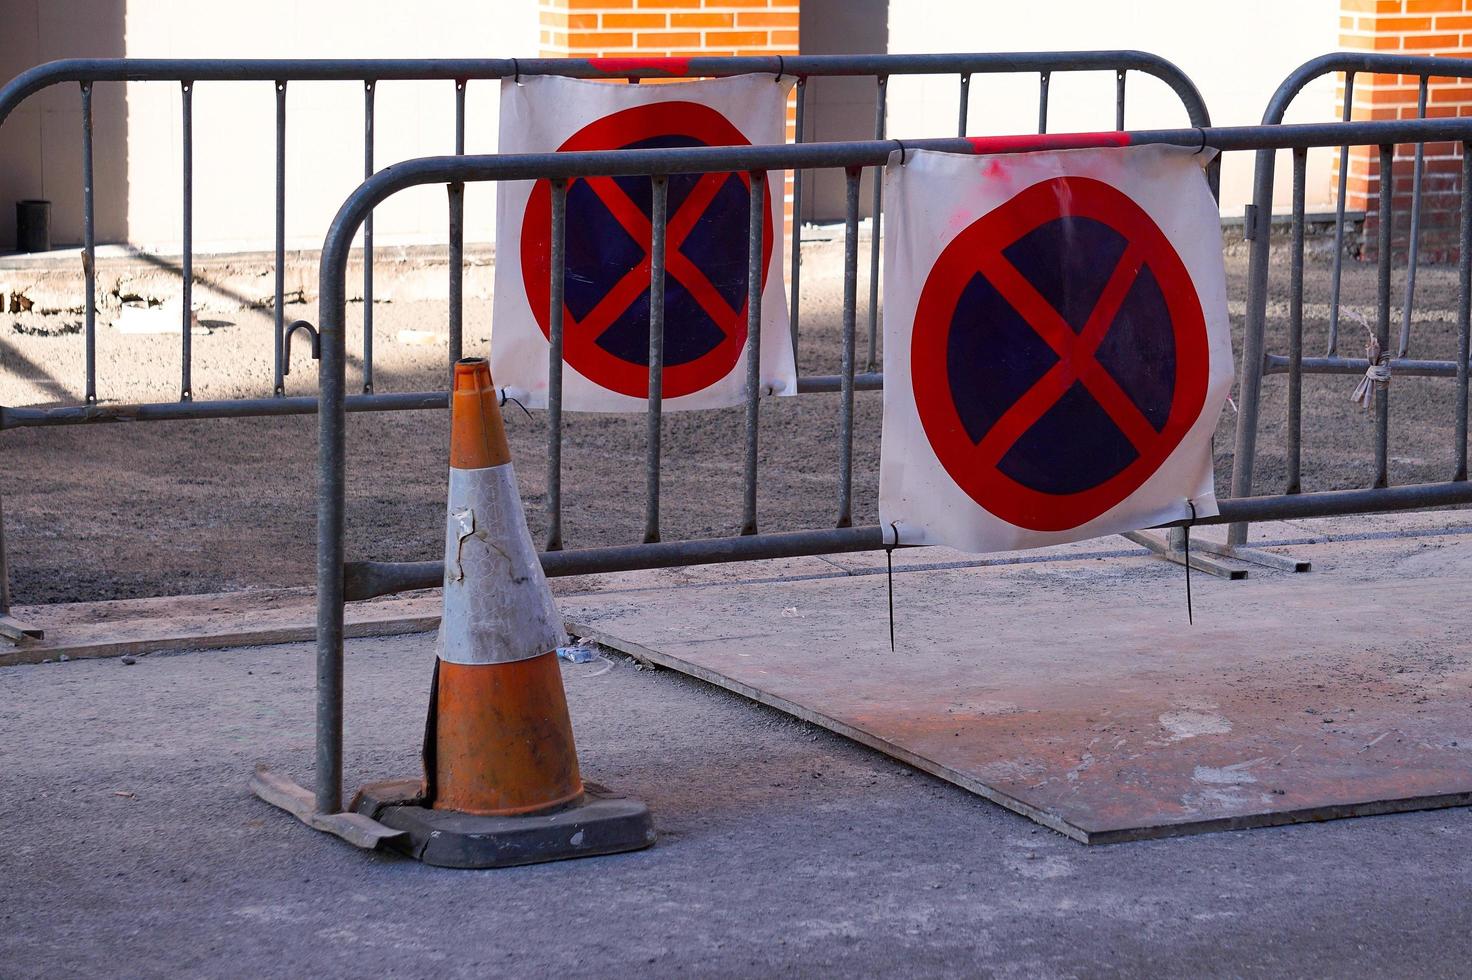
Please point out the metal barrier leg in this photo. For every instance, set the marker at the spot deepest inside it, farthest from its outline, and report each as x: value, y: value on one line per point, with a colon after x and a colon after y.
x: 1169, y: 549
x: 10, y: 627
x: 322, y: 809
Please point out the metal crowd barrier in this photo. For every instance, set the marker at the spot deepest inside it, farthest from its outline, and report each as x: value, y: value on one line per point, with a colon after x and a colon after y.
x: 339, y: 581
x: 188, y: 72
x: 1257, y: 360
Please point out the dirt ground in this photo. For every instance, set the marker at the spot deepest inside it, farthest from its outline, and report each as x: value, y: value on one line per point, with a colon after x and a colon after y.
x: 125, y: 510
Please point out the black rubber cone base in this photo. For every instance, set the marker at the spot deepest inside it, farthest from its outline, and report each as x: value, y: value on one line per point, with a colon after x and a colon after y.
x: 601, y: 823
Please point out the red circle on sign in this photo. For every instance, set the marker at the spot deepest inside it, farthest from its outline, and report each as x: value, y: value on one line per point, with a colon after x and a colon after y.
x: 696, y: 124
x: 974, y: 465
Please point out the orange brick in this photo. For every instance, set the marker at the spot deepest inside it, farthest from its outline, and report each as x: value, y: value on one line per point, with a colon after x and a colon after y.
x: 732, y: 39
x: 1381, y: 112
x: 634, y: 20
x: 1371, y: 6
x: 682, y: 4
x: 600, y: 39
x: 787, y: 39
x: 771, y: 18
x: 1387, y: 96
x: 1451, y: 93
x: 1369, y: 43
x: 1402, y: 24
x: 1424, y: 41
x: 577, y: 22
x: 702, y: 20
x: 1453, y: 22
x: 1433, y: 6
x: 672, y: 40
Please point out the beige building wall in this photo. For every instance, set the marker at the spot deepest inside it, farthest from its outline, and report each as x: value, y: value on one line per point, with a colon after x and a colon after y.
x: 138, y: 144
x: 1236, y: 53
x: 40, y: 144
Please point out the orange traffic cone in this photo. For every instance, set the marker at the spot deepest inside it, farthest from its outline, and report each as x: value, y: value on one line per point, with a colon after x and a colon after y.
x: 501, y: 783
x: 502, y: 741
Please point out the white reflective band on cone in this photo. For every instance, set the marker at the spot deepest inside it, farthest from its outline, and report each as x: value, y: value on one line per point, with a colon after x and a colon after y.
x: 498, y: 608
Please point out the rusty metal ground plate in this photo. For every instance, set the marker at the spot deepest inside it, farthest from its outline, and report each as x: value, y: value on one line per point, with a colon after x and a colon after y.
x: 1070, y: 688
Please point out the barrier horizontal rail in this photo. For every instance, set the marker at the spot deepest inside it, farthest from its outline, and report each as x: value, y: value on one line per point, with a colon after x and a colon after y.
x: 372, y: 579
x: 336, y: 579
x: 1257, y: 361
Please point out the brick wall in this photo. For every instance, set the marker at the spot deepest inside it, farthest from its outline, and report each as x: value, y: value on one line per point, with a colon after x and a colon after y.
x: 602, y: 28
x: 1411, y: 27
x: 673, y: 28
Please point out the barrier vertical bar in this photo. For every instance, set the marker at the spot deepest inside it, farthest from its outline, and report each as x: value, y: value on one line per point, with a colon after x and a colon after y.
x: 279, y: 321
x: 369, y: 86
x: 872, y: 361
x: 1338, y: 272
x: 850, y: 301
x: 1119, y: 100
x: 1464, y: 312
x: 754, y: 233
x: 456, y: 191
x: 331, y: 505
x: 4, y: 565
x: 1249, y: 387
x: 4, y: 568
x: 186, y: 387
x: 1043, y: 80
x: 1382, y: 313
x: 89, y: 247
x: 796, y: 302
x: 554, y: 365
x: 1413, y: 247
x: 965, y: 104
x: 1295, y: 329
x: 658, y: 217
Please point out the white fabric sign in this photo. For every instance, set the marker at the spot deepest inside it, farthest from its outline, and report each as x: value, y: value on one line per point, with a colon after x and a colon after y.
x: 606, y: 303
x: 1056, y: 345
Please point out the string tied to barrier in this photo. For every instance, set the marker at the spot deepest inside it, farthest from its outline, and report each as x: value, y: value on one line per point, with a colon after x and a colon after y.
x: 1377, y: 375
x: 889, y: 547
x: 1186, y: 556
x: 506, y: 397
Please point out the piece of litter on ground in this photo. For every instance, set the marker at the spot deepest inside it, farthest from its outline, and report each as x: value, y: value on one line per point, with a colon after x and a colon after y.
x: 123, y: 793
x: 418, y: 338
x: 129, y: 661
x: 790, y: 613
x: 584, y: 651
